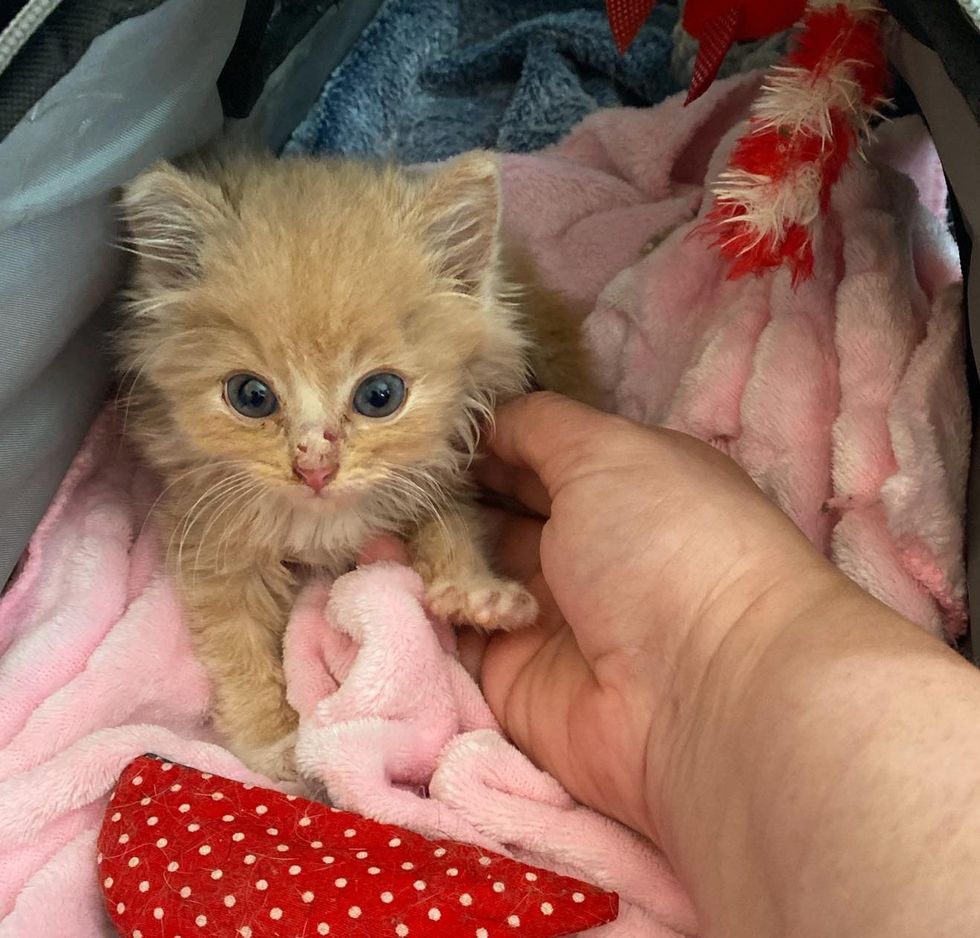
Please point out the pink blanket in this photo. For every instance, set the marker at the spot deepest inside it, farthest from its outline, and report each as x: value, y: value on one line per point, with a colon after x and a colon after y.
x: 846, y: 401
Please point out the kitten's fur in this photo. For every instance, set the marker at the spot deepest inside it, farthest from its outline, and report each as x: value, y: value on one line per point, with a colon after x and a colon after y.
x: 312, y: 274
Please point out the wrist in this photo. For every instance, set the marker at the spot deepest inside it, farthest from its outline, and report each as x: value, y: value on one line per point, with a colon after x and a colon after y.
x: 718, y: 675
x: 793, y: 757
x: 717, y: 669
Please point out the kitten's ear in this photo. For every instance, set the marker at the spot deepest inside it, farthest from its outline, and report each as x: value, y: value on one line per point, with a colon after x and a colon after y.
x: 462, y: 217
x: 168, y: 213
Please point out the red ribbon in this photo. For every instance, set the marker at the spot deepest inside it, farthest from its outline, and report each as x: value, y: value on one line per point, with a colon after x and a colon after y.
x: 625, y: 19
x: 715, y: 42
x: 715, y: 23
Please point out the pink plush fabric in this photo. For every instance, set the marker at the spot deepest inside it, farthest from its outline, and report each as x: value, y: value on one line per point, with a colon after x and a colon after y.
x: 399, y: 715
x: 845, y: 400
x: 97, y: 668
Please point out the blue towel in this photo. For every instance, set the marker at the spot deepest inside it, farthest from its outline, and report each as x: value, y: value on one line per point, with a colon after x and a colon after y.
x: 432, y: 78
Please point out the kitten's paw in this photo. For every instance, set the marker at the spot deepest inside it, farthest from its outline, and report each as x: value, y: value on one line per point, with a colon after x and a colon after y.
x: 484, y: 602
x: 276, y: 760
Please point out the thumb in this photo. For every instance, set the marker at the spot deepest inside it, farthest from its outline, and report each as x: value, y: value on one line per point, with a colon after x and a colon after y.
x: 546, y: 434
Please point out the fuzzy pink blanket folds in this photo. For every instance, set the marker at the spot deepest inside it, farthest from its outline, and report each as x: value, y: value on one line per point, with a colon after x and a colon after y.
x: 845, y: 399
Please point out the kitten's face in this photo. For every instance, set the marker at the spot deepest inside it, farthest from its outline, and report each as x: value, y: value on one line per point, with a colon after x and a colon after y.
x: 325, y: 333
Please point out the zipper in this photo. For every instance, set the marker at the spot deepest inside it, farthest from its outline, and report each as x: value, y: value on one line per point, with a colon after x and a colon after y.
x: 22, y: 27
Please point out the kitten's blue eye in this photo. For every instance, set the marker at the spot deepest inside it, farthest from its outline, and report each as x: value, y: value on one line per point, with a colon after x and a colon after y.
x: 379, y: 395
x: 251, y: 396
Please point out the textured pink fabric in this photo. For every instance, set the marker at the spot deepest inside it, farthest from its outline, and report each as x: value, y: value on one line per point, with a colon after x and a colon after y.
x: 406, y: 717
x: 97, y: 668
x: 845, y: 400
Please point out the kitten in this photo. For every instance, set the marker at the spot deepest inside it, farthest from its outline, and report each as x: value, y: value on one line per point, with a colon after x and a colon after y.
x: 312, y: 347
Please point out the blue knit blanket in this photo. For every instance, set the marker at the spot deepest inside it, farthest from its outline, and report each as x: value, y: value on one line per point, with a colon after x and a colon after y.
x: 431, y: 78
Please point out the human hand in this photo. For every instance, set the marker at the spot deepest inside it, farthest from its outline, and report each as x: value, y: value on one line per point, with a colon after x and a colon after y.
x: 702, y: 674
x: 659, y: 557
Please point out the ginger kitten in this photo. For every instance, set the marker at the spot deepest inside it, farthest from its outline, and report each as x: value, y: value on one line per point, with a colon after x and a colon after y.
x: 312, y: 347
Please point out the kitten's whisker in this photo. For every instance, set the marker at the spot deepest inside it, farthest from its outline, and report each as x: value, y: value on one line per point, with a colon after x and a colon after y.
x: 133, y: 245
x: 191, y: 516
x: 419, y: 502
x: 222, y: 501
x: 445, y: 503
x: 247, y: 505
x: 245, y: 487
x: 434, y: 504
x: 156, y: 258
x: 142, y: 363
x: 419, y: 487
x: 243, y: 506
x: 429, y: 475
x: 180, y: 478
x: 479, y: 414
x: 186, y: 522
x: 141, y: 305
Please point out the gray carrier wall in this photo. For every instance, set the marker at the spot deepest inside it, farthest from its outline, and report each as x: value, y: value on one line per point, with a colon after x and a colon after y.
x: 92, y: 92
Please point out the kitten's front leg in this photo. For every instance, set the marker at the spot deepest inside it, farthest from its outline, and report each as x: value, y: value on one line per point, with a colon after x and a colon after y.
x: 451, y: 556
x: 237, y: 622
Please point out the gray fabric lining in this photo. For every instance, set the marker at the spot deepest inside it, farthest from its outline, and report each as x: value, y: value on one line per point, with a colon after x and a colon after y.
x: 945, y: 27
x: 294, y: 86
x: 972, y: 9
x: 54, y: 48
x: 143, y: 90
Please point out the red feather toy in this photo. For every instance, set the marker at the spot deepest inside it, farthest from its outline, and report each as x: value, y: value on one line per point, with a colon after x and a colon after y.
x: 812, y: 113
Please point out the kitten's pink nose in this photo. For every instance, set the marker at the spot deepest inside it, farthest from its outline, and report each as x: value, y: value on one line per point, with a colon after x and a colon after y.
x: 317, y: 477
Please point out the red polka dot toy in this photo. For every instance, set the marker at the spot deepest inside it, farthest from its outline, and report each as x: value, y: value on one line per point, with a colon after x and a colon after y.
x: 186, y: 854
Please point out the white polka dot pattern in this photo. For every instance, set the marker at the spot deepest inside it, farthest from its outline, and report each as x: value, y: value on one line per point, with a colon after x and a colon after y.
x: 250, y: 862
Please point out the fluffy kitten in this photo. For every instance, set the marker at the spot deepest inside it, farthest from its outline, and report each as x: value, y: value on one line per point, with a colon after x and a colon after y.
x: 312, y: 347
